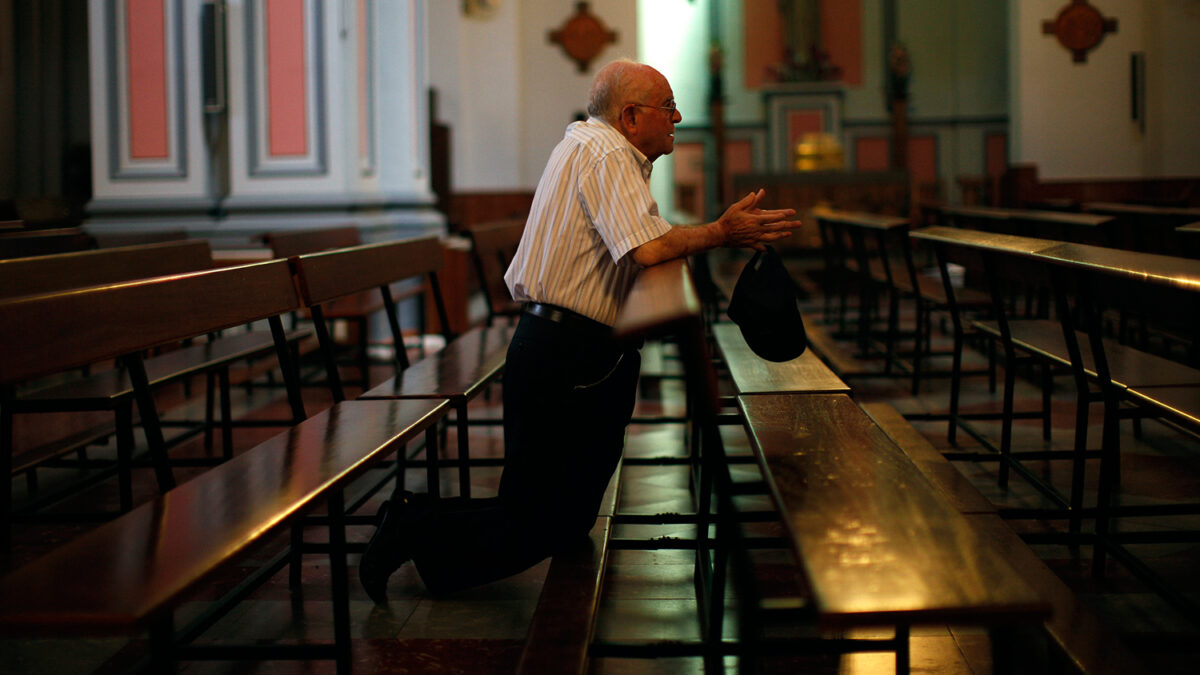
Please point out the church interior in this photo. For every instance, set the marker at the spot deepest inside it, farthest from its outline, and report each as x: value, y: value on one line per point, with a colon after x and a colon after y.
x: 251, y: 279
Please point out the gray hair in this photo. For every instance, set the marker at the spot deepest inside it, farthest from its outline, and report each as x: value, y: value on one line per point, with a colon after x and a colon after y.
x: 609, y: 89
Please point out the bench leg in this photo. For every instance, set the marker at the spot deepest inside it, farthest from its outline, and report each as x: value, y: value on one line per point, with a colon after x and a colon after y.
x: 226, y: 414
x: 903, y: 655
x: 339, y: 579
x: 162, y: 647
x: 464, y: 448
x: 124, y: 421
x: 209, y: 404
x: 150, y: 422
x: 1079, y: 463
x: 432, y: 477
x: 6, y: 447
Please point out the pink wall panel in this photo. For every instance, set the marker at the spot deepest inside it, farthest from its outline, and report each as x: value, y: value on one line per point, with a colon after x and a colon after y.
x: 763, y: 40
x: 364, y: 136
x: 800, y: 122
x: 872, y: 153
x: 287, y: 110
x: 922, y: 159
x: 841, y: 37
x: 145, y: 28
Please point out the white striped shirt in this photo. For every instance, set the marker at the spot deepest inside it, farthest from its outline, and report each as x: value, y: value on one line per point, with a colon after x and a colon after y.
x: 592, y: 206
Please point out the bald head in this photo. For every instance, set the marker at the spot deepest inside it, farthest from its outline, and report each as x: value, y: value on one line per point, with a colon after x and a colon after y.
x: 620, y: 82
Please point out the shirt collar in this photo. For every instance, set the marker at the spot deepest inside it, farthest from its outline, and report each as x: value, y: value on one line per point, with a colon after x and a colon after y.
x: 644, y: 164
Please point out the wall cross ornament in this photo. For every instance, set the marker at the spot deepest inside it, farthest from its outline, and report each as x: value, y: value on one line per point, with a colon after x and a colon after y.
x: 583, y: 36
x: 1079, y: 27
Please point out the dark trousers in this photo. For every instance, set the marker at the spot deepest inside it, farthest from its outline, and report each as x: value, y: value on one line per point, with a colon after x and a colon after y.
x: 568, y: 397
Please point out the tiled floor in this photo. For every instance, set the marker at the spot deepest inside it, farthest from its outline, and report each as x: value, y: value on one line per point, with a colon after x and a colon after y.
x: 648, y: 594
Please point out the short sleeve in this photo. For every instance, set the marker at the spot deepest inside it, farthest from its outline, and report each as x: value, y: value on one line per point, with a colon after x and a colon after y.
x: 619, y: 205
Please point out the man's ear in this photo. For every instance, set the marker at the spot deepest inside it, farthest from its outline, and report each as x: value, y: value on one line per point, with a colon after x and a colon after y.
x: 629, y: 117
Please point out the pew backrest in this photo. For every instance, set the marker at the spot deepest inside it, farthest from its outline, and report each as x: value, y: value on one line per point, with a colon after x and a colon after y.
x: 329, y: 275
x: 57, y: 331
x: 298, y: 242
x: 56, y: 272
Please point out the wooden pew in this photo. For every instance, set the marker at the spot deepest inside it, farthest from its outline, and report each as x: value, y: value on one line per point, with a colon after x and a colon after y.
x: 135, y: 238
x: 881, y: 252
x: 824, y: 488
x: 1151, y: 229
x: 1086, y: 228
x: 459, y: 372
x: 753, y: 375
x: 113, y: 390
x: 65, y: 330
x: 493, y: 245
x: 129, y: 575
x: 29, y: 242
x: 43, y: 274
x: 1085, y: 643
x: 564, y: 620
x: 354, y: 309
x: 1086, y: 281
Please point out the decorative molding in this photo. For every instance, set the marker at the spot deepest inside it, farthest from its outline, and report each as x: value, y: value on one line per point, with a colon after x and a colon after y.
x: 122, y: 165
x: 583, y: 36
x: 1079, y: 27
x: 314, y: 162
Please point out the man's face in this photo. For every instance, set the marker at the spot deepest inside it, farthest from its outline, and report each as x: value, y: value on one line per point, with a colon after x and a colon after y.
x: 653, y: 119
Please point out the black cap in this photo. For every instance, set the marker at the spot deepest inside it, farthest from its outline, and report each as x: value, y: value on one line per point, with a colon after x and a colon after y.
x: 766, y: 306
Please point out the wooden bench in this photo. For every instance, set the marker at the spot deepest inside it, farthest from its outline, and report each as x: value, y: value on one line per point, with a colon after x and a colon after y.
x: 493, y: 245
x: 1085, y: 643
x: 459, y: 372
x: 69, y: 329
x: 564, y: 621
x: 113, y: 390
x: 25, y: 242
x: 1151, y: 229
x: 877, y: 248
x: 356, y: 309
x: 909, y: 573
x: 877, y: 543
x: 753, y: 375
x: 1087, y: 281
x: 129, y: 575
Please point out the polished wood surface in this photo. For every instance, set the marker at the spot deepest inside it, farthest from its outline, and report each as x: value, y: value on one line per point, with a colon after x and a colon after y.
x: 48, y: 273
x: 1150, y: 267
x: 1181, y: 401
x: 872, y: 221
x: 663, y: 300
x: 1128, y: 367
x: 289, y: 243
x: 460, y: 370
x: 165, y: 367
x: 118, y: 576
x: 57, y: 331
x: 958, y: 490
x: 983, y: 240
x: 877, y: 542
x: 1141, y: 209
x: 752, y: 374
x: 334, y: 274
x: 1091, y: 646
x: 563, y: 623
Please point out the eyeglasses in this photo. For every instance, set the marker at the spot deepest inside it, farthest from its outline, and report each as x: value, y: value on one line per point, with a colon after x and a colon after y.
x: 670, y: 107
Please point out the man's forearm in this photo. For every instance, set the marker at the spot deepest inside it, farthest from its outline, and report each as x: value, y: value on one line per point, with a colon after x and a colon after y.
x: 678, y: 242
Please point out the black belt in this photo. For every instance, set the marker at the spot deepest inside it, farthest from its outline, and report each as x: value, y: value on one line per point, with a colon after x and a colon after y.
x: 567, y: 318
